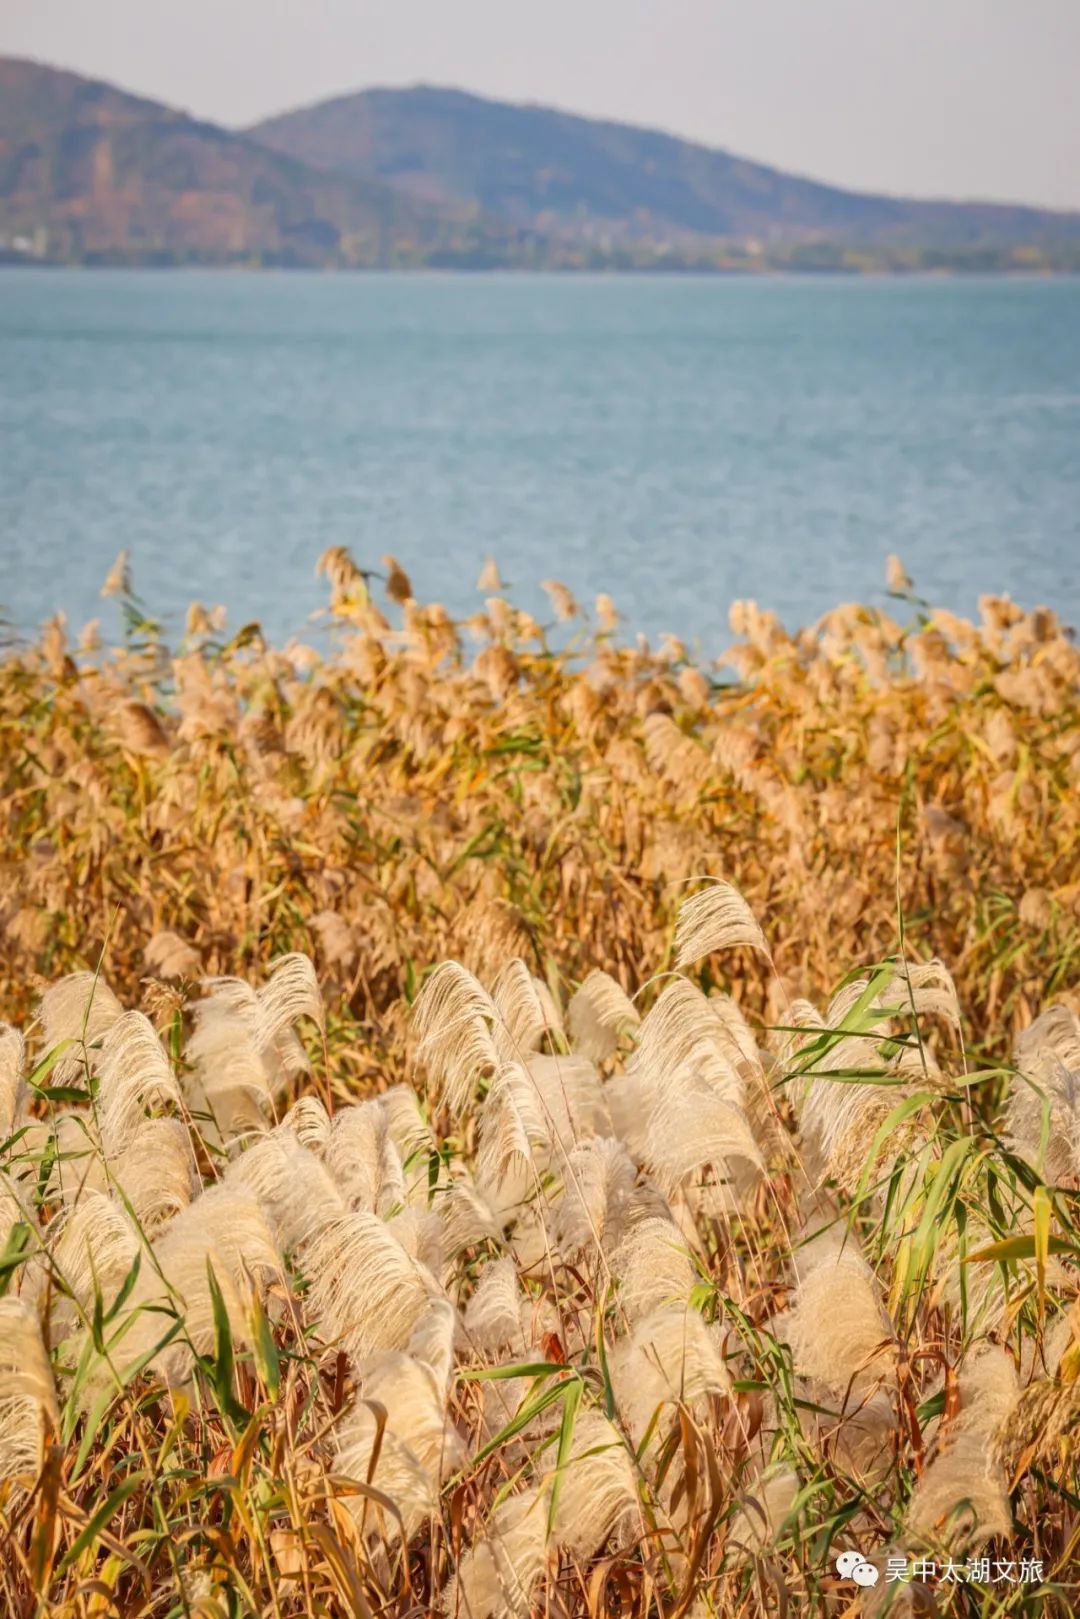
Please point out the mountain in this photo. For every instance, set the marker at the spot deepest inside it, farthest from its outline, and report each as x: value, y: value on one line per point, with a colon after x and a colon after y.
x: 579, y: 178
x: 92, y: 174
x: 89, y: 173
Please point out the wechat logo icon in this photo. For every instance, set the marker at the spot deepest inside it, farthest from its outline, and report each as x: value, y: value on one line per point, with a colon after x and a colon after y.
x: 853, y: 1566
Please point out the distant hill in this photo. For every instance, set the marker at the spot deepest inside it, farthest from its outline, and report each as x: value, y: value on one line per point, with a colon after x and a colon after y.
x: 578, y: 178
x: 90, y: 173
x: 431, y: 177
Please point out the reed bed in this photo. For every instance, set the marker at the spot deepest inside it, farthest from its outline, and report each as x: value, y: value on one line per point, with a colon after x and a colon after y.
x: 483, y: 1129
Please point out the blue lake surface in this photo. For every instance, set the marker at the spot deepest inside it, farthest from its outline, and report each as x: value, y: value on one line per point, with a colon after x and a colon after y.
x: 675, y: 442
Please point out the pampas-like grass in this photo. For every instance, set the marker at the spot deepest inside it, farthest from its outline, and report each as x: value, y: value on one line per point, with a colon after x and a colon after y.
x: 468, y: 1219
x: 366, y: 1292
x: 12, y: 1087
x: 652, y: 1267
x: 1042, y: 1115
x: 670, y: 1356
x: 717, y: 918
x: 691, y: 1130
x: 675, y: 756
x: 169, y: 956
x: 598, y: 1181
x: 598, y: 1498
x: 496, y: 1577
x: 571, y: 1099
x: 493, y: 1313
x: 420, y: 1233
x: 28, y: 1406
x: 79, y: 1008
x: 684, y: 1031
x: 308, y: 1121
x: 759, y: 1520
x: 95, y: 1250
x: 295, y: 1189
x: 599, y: 1015
x: 963, y: 1495
x: 156, y: 1172
x: 290, y: 993
x: 363, y: 1160
x: 417, y: 1447
x: 224, y: 1230
x: 229, y: 1083
x: 453, y: 1017
x: 135, y: 1076
x: 962, y: 1498
x: 525, y: 1012
x: 836, y: 1326
x: 514, y: 1128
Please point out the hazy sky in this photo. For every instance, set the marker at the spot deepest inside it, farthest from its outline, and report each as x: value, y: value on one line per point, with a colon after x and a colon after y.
x: 938, y: 97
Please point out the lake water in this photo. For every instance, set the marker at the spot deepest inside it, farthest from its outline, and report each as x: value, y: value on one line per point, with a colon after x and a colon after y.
x: 675, y: 442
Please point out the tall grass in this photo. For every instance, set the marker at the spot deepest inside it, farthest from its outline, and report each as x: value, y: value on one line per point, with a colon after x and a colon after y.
x: 689, y: 1226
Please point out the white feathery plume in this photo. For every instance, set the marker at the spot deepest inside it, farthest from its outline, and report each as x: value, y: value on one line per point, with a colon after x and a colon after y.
x: 366, y: 1292
x: 716, y: 918
x: 964, y: 1493
x: 493, y: 1314
x: 927, y: 989
x: 671, y: 1355
x: 432, y: 1341
x: 295, y: 1189
x: 802, y: 1021
x: 1057, y: 1030
x: 156, y: 1172
x: 223, y: 1229
x: 513, y: 1128
x: 169, y: 956
x: 1042, y: 1111
x: 415, y: 1141
x: 599, y: 1015
x: 79, y: 1007
x: 274, y: 1051
x: 844, y: 1002
x: 653, y: 1267
x: 691, y: 1130
x: 95, y: 1250
x: 742, y: 1035
x: 409, y: 1130
x: 28, y: 1407
x: 467, y: 1217
x: 420, y: 1233
x: 862, y: 1437
x: 527, y: 1240
x: 571, y: 1098
x: 416, y: 1447
x: 758, y: 1521
x: 525, y: 1012
x: 598, y: 1499
x: 453, y: 1017
x: 363, y: 1159
x: 308, y: 1121
x: 683, y: 1030
x: 836, y: 1326
x: 289, y: 994
x: 597, y: 1184
x: 135, y: 1075
x: 496, y: 1577
x: 12, y: 1089
x: 229, y: 1080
